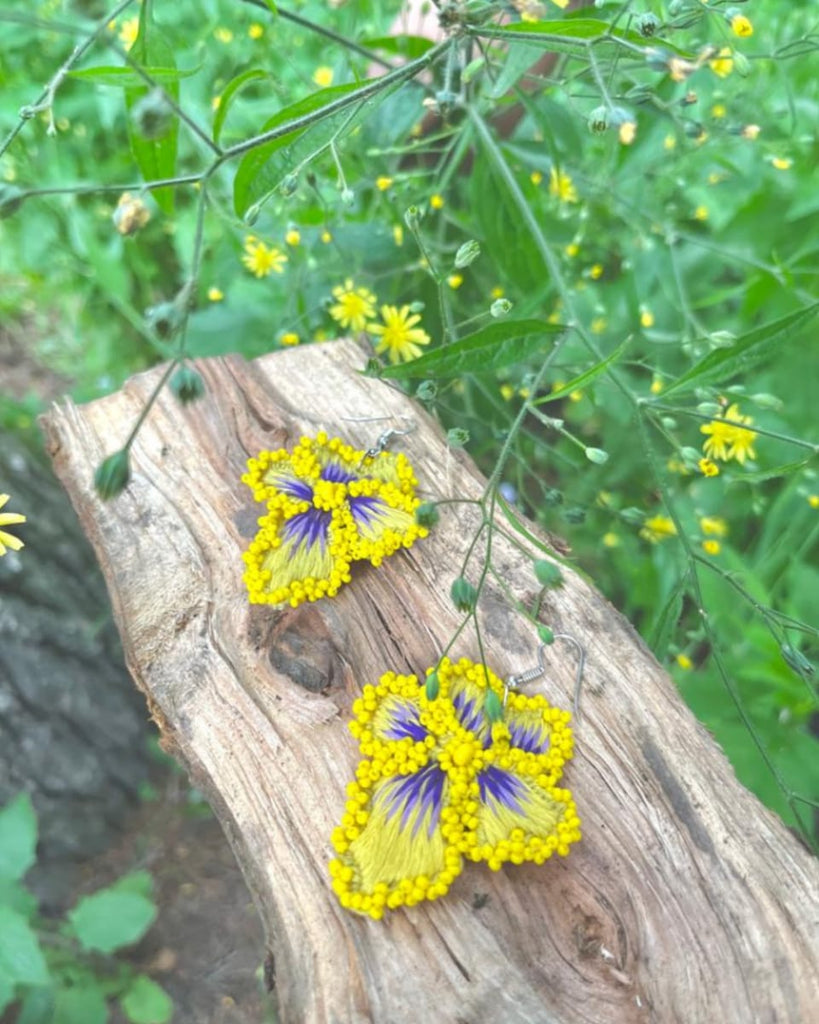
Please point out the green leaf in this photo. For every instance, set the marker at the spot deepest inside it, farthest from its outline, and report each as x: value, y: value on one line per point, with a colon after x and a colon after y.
x: 492, y: 347
x: 568, y: 36
x: 723, y: 363
x: 127, y: 78
x: 18, y: 838
x: 665, y: 622
x: 229, y: 93
x: 112, y: 918
x: 16, y: 896
x: 80, y: 1004
x: 264, y: 168
x: 146, y: 1003
x: 402, y: 46
x: 587, y: 376
x: 21, y: 959
x: 156, y: 158
x: 37, y: 1006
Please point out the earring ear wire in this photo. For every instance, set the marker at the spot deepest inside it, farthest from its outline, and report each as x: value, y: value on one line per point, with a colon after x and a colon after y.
x: 516, y: 681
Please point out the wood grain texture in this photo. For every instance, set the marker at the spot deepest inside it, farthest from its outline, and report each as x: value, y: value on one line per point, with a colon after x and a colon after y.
x: 685, y: 901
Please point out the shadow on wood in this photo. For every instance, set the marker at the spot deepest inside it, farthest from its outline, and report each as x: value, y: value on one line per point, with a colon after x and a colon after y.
x: 685, y: 901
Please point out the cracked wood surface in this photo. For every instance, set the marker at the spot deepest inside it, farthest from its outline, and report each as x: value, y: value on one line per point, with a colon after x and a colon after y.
x: 685, y: 900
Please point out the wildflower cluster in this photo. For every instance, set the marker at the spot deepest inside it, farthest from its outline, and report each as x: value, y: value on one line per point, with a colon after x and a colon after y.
x: 729, y: 437
x: 398, y: 334
x: 439, y: 783
x: 328, y: 506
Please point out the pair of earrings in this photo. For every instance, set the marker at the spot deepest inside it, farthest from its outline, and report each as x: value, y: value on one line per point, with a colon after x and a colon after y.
x: 440, y: 782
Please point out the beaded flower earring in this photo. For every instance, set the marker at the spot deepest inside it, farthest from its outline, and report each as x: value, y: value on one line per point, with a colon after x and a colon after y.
x: 328, y: 505
x: 440, y: 783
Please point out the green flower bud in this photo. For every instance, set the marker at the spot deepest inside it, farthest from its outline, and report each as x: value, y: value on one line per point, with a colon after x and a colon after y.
x: 347, y: 196
x: 668, y: 422
x: 596, y: 455
x: 552, y: 497
x: 691, y: 457
x: 721, y: 339
x: 417, y: 306
x: 457, y: 437
x: 710, y: 408
x: 598, y: 121
x: 464, y: 595
x: 546, y: 635
x: 467, y: 254
x: 433, y: 686
x: 575, y: 515
x: 289, y: 185
x: 499, y: 308
x: 187, y: 385
x: 411, y: 217
x: 647, y: 24
x: 372, y: 368
x: 766, y: 401
x: 741, y: 64
x: 492, y: 707
x: 427, y: 514
x: 797, y: 661
x: 547, y: 573
x: 164, y: 319
x: 112, y: 475
x: 151, y: 116
x: 634, y: 516
x: 427, y: 391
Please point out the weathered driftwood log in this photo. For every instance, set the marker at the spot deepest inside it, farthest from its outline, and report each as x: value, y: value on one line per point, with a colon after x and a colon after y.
x: 685, y: 901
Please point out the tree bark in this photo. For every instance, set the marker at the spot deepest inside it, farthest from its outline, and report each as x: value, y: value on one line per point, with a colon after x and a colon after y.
x: 685, y: 901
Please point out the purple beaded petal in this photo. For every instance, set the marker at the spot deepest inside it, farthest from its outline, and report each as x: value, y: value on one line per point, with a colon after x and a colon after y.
x: 308, y: 528
x: 413, y: 796
x: 501, y: 787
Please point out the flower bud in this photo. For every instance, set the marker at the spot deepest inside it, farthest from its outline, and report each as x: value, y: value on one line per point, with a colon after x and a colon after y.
x: 457, y: 437
x: 433, y: 686
x: 797, y: 661
x: 467, y: 254
x: 499, y: 308
x: 427, y: 391
x: 721, y: 339
x: 633, y: 515
x: 492, y: 707
x: 552, y: 497
x: 598, y: 121
x: 547, y: 573
x: 427, y: 514
x: 289, y: 185
x: 131, y: 214
x: 187, y: 385
x: 464, y: 595
x: 164, y: 319
x: 647, y: 24
x: 546, y: 635
x: 710, y: 408
x: 766, y: 401
x: 411, y: 217
x: 112, y: 475
x: 596, y: 455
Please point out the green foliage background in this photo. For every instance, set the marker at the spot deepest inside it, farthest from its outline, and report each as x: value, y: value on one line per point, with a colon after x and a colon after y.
x: 685, y: 270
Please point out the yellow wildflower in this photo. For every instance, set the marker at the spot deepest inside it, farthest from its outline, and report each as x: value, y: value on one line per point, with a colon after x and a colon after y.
x: 256, y: 31
x: 729, y: 437
x: 535, y: 177
x: 400, y: 338
x: 8, y: 540
x: 741, y: 26
x: 326, y: 237
x: 596, y: 271
x: 813, y: 500
x: 658, y: 528
x: 561, y: 186
x: 711, y: 547
x: 627, y: 133
x: 215, y: 294
x: 572, y: 249
x: 507, y: 392
x: 708, y: 467
x: 656, y: 386
x: 261, y: 259
x: 436, y: 201
x: 353, y: 306
x: 598, y: 325
x: 455, y: 280
x: 782, y: 163
x: 293, y: 237
x: 723, y: 64
x: 714, y: 526
x: 611, y: 540
x: 383, y: 182
x: 289, y: 338
x: 497, y: 292
x: 719, y: 110
x: 684, y: 661
x: 701, y: 213
x: 646, y: 317
x: 216, y: 102
x: 128, y: 32
x: 224, y: 35
x: 323, y: 77
x: 398, y: 234
x: 669, y: 142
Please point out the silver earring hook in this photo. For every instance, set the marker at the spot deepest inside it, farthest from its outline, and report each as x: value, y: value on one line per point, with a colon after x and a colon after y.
x: 383, y: 440
x: 513, y: 682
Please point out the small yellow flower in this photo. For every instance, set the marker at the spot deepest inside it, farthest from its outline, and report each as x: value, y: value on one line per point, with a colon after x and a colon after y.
x: 455, y: 280
x: 436, y: 201
x: 684, y: 661
x: 8, y: 540
x: 261, y: 259
x: 596, y: 271
x: 383, y: 182
x: 561, y: 186
x: 575, y: 396
x: 656, y: 386
x: 224, y: 35
x: 669, y: 142
x: 646, y: 317
x: 782, y: 163
x: 729, y: 437
x: 507, y: 392
x: 711, y: 547
x: 723, y: 63
x: 675, y: 465
x: 289, y: 338
x: 611, y: 540
x: 398, y: 234
x: 400, y: 338
x: 535, y: 177
x: 598, y: 325
x: 708, y: 467
x: 572, y: 249
x: 714, y: 178
x: 714, y: 526
x: 813, y: 500
x: 719, y: 110
x: 658, y: 528
x: 293, y: 237
x: 353, y: 306
x: 323, y: 77
x: 627, y: 133
x: 741, y: 26
x: 497, y: 292
x: 326, y: 237
x: 255, y: 31
x: 128, y: 32
x: 701, y: 213
x: 215, y: 294
x: 216, y: 102
x: 750, y: 131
